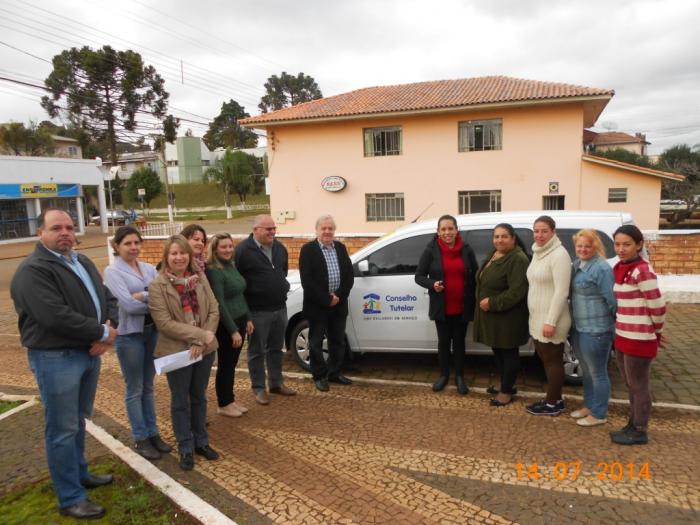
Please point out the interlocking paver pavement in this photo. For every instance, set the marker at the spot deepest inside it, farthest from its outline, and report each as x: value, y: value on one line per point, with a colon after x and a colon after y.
x: 397, y: 454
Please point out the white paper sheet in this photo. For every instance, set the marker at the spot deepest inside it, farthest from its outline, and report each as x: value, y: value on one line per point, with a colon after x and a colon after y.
x: 175, y: 361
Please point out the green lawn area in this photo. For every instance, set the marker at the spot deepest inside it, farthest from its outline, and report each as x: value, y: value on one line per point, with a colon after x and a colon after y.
x: 9, y: 405
x: 129, y: 500
x: 191, y: 195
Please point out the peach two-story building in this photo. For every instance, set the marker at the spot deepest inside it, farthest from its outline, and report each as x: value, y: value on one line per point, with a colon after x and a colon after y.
x: 379, y: 157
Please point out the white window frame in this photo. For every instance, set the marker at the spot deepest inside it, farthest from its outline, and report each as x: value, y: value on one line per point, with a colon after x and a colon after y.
x: 381, y: 207
x: 464, y: 200
x: 381, y: 142
x: 480, y: 135
x: 617, y: 194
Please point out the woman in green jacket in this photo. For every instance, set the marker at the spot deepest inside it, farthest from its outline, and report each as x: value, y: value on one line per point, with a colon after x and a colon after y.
x: 501, y: 317
x: 228, y: 286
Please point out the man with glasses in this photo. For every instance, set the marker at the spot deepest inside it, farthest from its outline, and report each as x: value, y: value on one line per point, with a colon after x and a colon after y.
x: 263, y: 263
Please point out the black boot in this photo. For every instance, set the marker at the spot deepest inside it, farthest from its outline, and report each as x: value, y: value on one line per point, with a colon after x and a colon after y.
x: 631, y: 436
x: 440, y: 384
x: 462, y: 387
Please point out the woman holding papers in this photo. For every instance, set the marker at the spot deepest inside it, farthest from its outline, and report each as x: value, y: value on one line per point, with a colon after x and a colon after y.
x: 128, y: 280
x: 228, y: 286
x: 186, y: 313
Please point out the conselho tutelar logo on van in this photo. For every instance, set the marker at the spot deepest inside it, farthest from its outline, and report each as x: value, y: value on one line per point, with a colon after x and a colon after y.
x: 372, y: 303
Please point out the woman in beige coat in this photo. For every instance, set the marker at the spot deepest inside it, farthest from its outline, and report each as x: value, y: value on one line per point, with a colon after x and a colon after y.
x: 186, y: 313
x: 549, y: 277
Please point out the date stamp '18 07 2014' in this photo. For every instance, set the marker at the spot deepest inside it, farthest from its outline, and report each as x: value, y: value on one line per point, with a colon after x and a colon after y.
x: 573, y: 470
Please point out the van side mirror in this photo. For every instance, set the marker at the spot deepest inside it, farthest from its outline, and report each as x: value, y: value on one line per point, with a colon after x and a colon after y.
x: 363, y: 266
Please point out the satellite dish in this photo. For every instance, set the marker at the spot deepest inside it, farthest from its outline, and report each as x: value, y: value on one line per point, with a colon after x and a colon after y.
x: 609, y: 125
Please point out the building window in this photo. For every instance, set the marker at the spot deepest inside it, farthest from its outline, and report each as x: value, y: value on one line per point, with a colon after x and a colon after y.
x: 72, y: 151
x: 172, y: 163
x: 553, y: 202
x: 617, y: 194
x: 384, y: 206
x: 480, y: 135
x: 380, y: 142
x: 124, y: 167
x: 205, y: 163
x: 479, y: 201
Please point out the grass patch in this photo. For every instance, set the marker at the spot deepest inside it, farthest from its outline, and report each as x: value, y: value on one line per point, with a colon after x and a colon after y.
x: 202, y: 216
x: 9, y: 405
x: 129, y: 501
x: 195, y: 195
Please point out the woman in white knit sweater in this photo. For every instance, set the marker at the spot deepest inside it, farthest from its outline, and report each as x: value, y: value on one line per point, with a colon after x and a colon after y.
x: 549, y: 276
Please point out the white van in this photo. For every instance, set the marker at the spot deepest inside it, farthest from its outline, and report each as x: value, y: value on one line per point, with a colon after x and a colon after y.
x: 388, y: 311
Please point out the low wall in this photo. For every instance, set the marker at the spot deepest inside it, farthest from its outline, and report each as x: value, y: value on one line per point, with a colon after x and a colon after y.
x: 671, y: 252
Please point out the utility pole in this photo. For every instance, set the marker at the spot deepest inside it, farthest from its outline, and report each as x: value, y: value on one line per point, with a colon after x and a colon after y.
x: 164, y: 164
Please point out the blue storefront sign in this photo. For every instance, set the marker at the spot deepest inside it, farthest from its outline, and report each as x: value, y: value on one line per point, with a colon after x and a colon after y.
x: 33, y: 190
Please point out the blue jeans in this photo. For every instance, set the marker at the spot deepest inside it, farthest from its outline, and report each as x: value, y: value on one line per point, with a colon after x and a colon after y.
x: 188, y: 403
x: 593, y: 352
x: 135, y: 353
x: 67, y: 381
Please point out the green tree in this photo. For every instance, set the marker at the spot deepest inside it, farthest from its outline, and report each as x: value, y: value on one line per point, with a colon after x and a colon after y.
x: 225, y: 132
x: 102, y: 91
x: 288, y: 90
x: 32, y: 140
x: 624, y: 155
x: 232, y: 172
x: 683, y: 160
x: 147, y: 179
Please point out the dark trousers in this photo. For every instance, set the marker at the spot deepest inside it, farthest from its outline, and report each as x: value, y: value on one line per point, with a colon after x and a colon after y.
x: 552, y: 356
x: 188, y: 403
x: 508, y: 364
x: 226, y: 361
x: 333, y: 328
x: 635, y: 371
x: 451, y: 334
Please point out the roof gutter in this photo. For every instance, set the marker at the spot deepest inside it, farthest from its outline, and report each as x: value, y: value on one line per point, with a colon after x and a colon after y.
x: 430, y: 111
x: 633, y: 168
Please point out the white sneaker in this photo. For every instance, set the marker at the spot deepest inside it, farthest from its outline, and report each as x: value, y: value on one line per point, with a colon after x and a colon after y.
x: 229, y: 410
x: 581, y: 412
x: 590, y: 421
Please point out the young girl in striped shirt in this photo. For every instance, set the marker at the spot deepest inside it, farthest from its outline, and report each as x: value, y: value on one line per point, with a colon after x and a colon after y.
x: 639, y: 321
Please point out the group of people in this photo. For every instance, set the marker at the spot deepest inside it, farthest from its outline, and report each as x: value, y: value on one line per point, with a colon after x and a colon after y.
x: 511, y: 298
x: 206, y: 297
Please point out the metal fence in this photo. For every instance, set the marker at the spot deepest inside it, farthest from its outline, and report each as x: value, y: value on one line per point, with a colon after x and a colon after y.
x: 164, y: 229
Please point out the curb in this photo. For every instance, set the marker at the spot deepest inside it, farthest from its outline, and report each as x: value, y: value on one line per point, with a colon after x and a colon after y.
x: 480, y: 390
x: 30, y: 402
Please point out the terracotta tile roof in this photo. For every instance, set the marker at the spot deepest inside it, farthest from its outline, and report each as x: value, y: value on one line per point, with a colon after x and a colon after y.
x: 633, y: 167
x: 422, y: 96
x: 589, y: 136
x: 618, y: 137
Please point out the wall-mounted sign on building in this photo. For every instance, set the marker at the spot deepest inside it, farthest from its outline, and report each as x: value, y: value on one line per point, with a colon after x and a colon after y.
x: 333, y: 183
x: 38, y: 190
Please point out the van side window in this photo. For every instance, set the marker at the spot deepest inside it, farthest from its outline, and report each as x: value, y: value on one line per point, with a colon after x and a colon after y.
x: 400, y: 257
x: 566, y: 237
x: 481, y: 241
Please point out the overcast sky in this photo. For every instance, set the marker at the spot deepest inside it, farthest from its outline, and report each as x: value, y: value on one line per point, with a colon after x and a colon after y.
x: 648, y: 51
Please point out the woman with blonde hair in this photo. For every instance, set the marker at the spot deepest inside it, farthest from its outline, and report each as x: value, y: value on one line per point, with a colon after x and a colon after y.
x: 593, y: 307
x: 186, y: 313
x: 228, y: 286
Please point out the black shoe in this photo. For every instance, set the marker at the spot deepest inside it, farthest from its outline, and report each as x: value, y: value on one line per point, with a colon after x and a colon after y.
x: 631, y: 436
x: 207, y: 452
x: 146, y: 449
x: 321, y: 385
x: 160, y: 445
x: 96, y: 480
x: 85, y: 510
x: 186, y: 461
x: 493, y: 390
x: 340, y: 379
x: 440, y: 384
x: 462, y: 388
x: 545, y: 409
x: 496, y: 403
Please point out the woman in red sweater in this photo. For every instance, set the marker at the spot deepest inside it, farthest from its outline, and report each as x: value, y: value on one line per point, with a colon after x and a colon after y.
x: 447, y: 269
x: 638, y: 324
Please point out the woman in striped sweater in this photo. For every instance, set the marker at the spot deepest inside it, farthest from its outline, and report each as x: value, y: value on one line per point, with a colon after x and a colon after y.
x: 639, y: 321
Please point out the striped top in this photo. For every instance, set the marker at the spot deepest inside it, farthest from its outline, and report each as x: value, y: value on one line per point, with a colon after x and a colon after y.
x: 641, y: 309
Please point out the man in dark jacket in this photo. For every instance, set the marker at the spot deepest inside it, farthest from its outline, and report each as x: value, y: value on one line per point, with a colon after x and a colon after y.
x: 262, y: 261
x: 67, y: 319
x: 327, y: 278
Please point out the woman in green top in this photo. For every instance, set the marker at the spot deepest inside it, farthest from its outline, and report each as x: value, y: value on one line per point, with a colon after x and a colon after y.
x: 234, y: 323
x: 501, y: 317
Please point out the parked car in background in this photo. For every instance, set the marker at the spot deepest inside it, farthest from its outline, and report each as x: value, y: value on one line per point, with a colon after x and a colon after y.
x: 118, y: 216
x: 388, y: 311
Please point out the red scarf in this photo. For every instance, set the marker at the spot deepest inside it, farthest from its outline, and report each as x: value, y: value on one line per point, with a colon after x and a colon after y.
x: 453, y: 276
